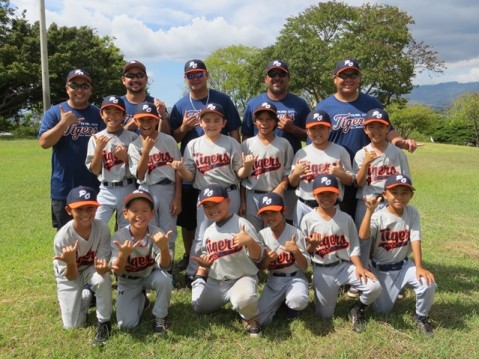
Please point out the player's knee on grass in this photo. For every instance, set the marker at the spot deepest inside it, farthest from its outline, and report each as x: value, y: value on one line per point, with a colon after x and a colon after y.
x: 297, y: 301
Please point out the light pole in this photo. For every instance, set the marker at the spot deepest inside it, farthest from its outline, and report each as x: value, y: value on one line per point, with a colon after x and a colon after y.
x: 44, y: 59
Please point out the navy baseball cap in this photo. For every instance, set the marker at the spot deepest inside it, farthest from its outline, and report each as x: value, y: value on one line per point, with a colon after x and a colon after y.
x: 82, y: 196
x: 398, y: 180
x: 146, y: 109
x: 132, y: 64
x: 213, y: 193
x: 113, y: 101
x: 266, y: 106
x: 271, y: 202
x: 347, y: 64
x: 325, y: 183
x: 318, y: 117
x: 277, y: 64
x: 212, y: 107
x: 78, y: 73
x: 377, y: 115
x: 138, y: 194
x: 194, y: 65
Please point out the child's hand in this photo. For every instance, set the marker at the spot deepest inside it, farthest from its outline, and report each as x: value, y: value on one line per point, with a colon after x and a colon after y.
x: 372, y: 202
x: 362, y: 272
x: 336, y: 169
x: 312, y: 242
x: 177, y: 165
x: 428, y: 276
x: 102, y: 141
x: 369, y: 156
x: 204, y: 261
x: 69, y: 254
x: 242, y: 238
x: 101, y: 265
x: 147, y: 144
x: 302, y: 168
x: 161, y: 240
x: 121, y: 152
x: 291, y: 246
x: 249, y: 160
x: 126, y: 248
x: 270, y: 256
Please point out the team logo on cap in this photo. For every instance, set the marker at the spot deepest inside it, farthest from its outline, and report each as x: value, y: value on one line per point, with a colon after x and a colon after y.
x: 79, y: 72
x: 207, y: 192
x: 84, y: 194
x: 265, y: 105
x: 266, y: 200
x: 113, y: 99
x: 326, y: 181
x: 401, y: 179
x: 377, y: 114
x: 348, y: 63
x: 211, y: 107
x: 277, y: 63
x: 318, y: 117
x: 193, y: 65
x: 146, y: 108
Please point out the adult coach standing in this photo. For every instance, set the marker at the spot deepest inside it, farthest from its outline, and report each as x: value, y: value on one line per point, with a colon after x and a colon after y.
x: 67, y: 128
x: 184, y: 122
x: 347, y: 109
x: 292, y: 113
x: 135, y: 79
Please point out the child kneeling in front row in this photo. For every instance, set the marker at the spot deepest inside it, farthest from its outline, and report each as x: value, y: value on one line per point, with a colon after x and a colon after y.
x: 141, y: 258
x: 395, y: 230
x: 228, y: 271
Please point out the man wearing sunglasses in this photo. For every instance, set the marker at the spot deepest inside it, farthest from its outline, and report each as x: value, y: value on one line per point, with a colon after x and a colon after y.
x: 184, y: 122
x: 67, y: 128
x: 135, y: 80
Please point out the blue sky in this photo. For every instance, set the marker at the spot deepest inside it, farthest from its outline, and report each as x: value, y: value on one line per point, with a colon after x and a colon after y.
x: 165, y: 34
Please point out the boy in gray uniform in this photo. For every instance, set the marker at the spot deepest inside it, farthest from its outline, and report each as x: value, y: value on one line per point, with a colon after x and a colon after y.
x: 82, y: 252
x: 228, y: 270
x: 141, y: 258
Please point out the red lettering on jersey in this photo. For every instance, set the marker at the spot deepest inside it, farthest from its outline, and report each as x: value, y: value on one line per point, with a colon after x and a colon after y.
x: 380, y: 173
x: 315, y: 169
x: 87, y: 259
x: 205, y: 163
x: 158, y: 160
x: 109, y: 160
x: 330, y: 244
x: 138, y: 264
x: 76, y: 131
x: 263, y: 165
x: 221, y: 248
x: 284, y: 260
x: 394, y: 239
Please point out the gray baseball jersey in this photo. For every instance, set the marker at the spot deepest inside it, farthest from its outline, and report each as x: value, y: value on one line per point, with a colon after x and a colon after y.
x: 392, y: 161
x: 113, y: 169
x: 318, y: 162
x: 215, y: 162
x: 272, y: 165
x: 70, y: 292
x: 229, y: 262
x: 164, y: 151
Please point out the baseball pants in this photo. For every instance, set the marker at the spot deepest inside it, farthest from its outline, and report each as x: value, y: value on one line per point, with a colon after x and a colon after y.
x: 364, y: 244
x: 111, y: 200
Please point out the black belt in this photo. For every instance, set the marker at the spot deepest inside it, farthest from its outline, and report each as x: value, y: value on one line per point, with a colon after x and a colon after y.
x: 327, y: 264
x: 389, y: 266
x: 231, y: 188
x: 125, y: 276
x: 258, y: 192
x: 119, y: 184
x: 310, y: 203
x: 164, y: 181
x: 280, y: 274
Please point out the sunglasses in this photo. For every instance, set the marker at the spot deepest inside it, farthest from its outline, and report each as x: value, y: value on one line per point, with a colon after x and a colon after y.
x: 273, y: 74
x: 75, y: 86
x: 131, y: 75
x: 196, y: 75
x: 344, y: 76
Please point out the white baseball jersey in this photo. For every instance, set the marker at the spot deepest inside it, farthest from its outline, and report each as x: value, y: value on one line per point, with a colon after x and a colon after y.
x: 392, y: 161
x: 339, y: 236
x: 285, y: 263
x: 229, y: 262
x: 163, y: 152
x: 113, y: 169
x: 97, y: 245
x: 392, y: 235
x: 318, y: 162
x: 272, y: 165
x: 215, y: 162
x: 144, y: 258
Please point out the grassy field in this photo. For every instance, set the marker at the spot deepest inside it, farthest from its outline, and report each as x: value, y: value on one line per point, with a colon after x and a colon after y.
x: 446, y: 179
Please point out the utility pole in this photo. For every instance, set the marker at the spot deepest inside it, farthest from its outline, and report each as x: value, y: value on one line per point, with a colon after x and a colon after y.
x: 44, y: 59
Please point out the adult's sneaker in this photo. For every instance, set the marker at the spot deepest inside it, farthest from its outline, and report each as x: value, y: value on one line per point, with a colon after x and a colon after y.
x: 102, y: 334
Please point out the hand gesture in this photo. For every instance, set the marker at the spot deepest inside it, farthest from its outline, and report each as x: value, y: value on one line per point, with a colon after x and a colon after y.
x: 242, y: 238
x: 160, y: 239
x: 249, y: 160
x: 69, y: 254
x: 177, y: 165
x: 190, y: 121
x: 147, y: 144
x: 101, y: 141
x: 285, y: 123
x: 121, y: 152
x: 313, y: 241
x: 161, y: 108
x: 423, y: 273
x: 270, y: 256
x: 291, y: 246
x: 363, y: 273
x: 68, y: 117
x: 336, y: 168
x: 409, y: 145
x: 372, y: 202
x: 101, y: 265
x: 302, y: 168
x: 369, y: 156
x: 204, y: 261
x: 126, y: 248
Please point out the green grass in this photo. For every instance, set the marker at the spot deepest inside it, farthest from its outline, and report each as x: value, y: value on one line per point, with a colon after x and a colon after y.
x: 446, y: 179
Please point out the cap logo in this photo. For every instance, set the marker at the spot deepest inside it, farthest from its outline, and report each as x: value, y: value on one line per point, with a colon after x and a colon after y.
x: 377, y: 114
x: 211, y: 107
x: 277, y: 63
x: 207, y: 192
x: 348, y: 63
x: 113, y: 99
x: 84, y: 194
x: 266, y: 200
x: 325, y: 180
x: 318, y: 116
x: 146, y: 108
x: 265, y: 105
x: 79, y: 72
x: 193, y: 65
x: 401, y: 178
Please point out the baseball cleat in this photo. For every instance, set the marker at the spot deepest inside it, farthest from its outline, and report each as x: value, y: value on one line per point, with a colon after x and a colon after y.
x: 424, y: 326
x: 102, y: 334
x: 159, y: 326
x: 356, y: 316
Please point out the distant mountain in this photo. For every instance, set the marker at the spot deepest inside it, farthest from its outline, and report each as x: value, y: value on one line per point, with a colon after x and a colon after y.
x: 441, y: 95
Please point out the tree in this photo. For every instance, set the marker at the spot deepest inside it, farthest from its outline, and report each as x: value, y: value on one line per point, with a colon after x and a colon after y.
x: 232, y: 71
x: 406, y: 119
x: 375, y: 35
x: 465, y: 111
x: 68, y: 48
